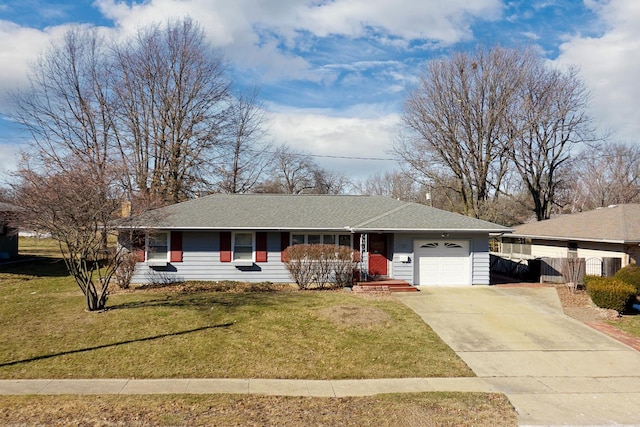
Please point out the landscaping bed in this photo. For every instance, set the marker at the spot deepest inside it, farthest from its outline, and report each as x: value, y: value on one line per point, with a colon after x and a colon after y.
x: 579, y: 305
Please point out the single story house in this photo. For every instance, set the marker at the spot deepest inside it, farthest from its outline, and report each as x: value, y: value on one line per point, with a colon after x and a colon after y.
x: 612, y: 232
x: 8, y: 234
x: 242, y: 237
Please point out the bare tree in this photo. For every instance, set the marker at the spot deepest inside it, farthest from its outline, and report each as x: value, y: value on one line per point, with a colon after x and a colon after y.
x: 67, y: 182
x: 550, y: 117
x: 328, y: 182
x: 67, y: 106
x: 395, y: 184
x: 607, y: 174
x: 4, y: 195
x: 475, y: 115
x: 244, y: 152
x: 457, y: 122
x: 172, y: 102
x: 293, y: 172
x: 79, y: 209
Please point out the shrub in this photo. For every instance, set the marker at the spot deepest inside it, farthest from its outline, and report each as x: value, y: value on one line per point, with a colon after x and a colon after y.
x: 590, y: 279
x: 125, y: 270
x: 320, y: 265
x: 573, y: 272
x: 609, y: 292
x: 344, y: 265
x: 631, y: 275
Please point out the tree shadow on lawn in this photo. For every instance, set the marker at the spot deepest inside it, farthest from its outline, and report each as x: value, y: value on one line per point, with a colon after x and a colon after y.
x: 208, y: 299
x: 36, y: 266
x: 99, y: 347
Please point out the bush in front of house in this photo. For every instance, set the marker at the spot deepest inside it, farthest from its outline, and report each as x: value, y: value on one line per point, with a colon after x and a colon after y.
x: 610, y: 292
x: 320, y: 265
x: 631, y: 275
x: 125, y: 270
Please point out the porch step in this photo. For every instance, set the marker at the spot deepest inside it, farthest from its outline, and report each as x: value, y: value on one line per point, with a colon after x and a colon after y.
x: 384, y: 286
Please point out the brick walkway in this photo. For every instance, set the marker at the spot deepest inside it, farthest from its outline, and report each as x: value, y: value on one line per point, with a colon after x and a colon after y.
x: 615, y: 333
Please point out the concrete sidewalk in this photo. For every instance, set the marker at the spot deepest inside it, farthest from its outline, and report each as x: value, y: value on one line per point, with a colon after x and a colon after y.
x: 554, y: 369
x: 315, y: 388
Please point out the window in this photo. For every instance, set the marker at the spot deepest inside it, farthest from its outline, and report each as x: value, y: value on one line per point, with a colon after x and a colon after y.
x: 344, y: 240
x: 452, y: 245
x: 243, y: 247
x: 158, y: 246
x: 314, y: 239
x: 327, y: 239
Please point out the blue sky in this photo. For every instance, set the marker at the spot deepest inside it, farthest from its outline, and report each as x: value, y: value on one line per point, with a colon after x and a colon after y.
x: 333, y: 74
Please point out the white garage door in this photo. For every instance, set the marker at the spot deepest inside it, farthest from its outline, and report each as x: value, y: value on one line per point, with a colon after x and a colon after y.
x: 442, y: 262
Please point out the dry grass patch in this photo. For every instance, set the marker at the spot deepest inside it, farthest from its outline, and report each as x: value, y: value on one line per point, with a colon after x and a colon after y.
x: 415, y: 409
x: 346, y: 316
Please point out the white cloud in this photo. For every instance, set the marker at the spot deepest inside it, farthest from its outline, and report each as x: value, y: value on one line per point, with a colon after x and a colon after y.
x: 409, y: 19
x: 369, y: 134
x: 23, y: 48
x: 9, y: 159
x: 254, y: 32
x: 610, y: 65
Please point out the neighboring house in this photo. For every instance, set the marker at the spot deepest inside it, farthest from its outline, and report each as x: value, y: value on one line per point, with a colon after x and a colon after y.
x: 604, y: 233
x: 242, y: 237
x: 8, y: 234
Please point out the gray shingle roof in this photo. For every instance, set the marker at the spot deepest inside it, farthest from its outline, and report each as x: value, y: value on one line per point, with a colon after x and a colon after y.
x: 309, y: 212
x: 617, y: 224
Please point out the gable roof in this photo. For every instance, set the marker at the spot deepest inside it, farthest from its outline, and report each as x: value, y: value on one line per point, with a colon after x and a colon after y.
x: 309, y: 212
x: 613, y: 224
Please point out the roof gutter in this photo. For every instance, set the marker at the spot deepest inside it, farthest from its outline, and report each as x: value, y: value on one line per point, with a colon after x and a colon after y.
x: 574, y: 239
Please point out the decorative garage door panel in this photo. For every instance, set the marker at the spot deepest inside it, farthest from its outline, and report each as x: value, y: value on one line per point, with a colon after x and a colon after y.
x: 443, y: 263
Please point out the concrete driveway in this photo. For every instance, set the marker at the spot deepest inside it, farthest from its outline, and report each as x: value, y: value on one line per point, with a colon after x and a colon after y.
x: 554, y: 369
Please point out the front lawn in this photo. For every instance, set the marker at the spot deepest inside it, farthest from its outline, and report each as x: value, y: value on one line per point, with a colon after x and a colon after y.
x: 628, y: 323
x: 411, y: 409
x: 46, y: 333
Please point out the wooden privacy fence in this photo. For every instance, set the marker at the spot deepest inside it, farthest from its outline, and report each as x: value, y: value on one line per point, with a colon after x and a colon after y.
x: 572, y: 270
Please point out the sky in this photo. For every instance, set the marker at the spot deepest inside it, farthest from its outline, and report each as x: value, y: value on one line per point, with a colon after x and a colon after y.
x: 333, y: 74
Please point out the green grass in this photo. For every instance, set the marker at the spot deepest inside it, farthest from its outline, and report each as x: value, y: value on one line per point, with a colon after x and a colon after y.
x: 45, y: 332
x: 411, y: 409
x: 38, y: 247
x: 628, y: 323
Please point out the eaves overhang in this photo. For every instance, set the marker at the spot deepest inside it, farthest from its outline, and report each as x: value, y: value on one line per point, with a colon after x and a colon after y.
x: 576, y: 239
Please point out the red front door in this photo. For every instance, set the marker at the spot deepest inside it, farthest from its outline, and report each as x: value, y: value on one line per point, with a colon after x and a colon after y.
x: 378, y: 255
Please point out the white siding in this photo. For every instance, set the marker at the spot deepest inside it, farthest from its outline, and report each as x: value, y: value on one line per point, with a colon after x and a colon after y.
x: 558, y: 249
x: 549, y: 250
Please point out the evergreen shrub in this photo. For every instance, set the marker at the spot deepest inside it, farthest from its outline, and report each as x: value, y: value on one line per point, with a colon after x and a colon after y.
x: 631, y: 275
x: 610, y: 292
